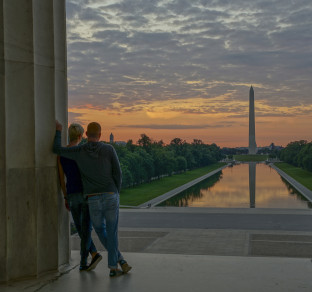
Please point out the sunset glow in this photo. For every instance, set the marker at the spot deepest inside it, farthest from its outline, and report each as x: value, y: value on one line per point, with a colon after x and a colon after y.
x: 184, y: 68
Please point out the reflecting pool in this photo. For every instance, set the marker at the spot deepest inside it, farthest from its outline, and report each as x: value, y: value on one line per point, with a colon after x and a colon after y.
x: 248, y: 185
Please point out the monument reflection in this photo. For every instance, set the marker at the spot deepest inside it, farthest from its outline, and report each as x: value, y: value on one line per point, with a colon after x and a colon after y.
x: 248, y: 185
x: 252, y: 184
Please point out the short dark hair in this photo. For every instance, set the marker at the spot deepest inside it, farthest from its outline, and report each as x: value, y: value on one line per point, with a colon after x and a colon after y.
x: 93, y: 129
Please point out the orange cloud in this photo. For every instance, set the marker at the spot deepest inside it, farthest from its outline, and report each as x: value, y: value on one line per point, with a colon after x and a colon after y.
x: 218, y: 120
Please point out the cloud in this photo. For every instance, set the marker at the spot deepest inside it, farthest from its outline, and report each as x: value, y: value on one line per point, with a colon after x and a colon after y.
x: 133, y: 51
x: 72, y: 115
x: 76, y: 118
x: 176, y: 126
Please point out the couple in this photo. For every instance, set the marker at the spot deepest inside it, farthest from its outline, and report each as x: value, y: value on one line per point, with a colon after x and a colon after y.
x: 92, y: 192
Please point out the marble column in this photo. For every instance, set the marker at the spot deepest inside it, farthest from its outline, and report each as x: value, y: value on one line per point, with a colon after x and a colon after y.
x: 252, y: 131
x: 34, y: 224
x: 3, y: 225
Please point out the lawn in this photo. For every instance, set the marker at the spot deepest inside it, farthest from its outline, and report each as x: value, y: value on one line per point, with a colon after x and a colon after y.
x: 299, y: 174
x: 137, y: 195
x: 255, y: 157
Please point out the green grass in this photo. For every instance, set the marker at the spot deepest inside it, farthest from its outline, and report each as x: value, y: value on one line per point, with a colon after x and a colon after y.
x: 139, y: 194
x: 255, y: 157
x: 299, y: 174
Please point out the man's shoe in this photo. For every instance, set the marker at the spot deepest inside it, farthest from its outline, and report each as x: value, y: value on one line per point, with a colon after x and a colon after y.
x: 97, y: 258
x: 124, y: 266
x: 115, y: 273
x: 83, y: 268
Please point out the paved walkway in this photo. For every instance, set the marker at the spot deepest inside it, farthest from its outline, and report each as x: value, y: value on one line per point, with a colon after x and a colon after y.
x: 217, y: 218
x: 298, y: 186
x: 198, y: 249
x: 184, y: 273
x: 186, y: 255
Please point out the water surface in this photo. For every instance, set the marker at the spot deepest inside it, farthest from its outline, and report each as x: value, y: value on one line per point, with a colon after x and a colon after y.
x: 248, y: 185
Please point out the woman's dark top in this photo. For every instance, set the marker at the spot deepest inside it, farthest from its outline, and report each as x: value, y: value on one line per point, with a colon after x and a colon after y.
x: 73, y: 178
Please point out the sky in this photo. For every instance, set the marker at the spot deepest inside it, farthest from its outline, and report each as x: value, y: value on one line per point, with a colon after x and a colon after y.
x: 183, y: 68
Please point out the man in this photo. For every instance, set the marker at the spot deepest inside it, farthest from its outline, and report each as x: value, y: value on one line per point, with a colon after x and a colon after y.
x: 101, y: 178
x: 75, y: 202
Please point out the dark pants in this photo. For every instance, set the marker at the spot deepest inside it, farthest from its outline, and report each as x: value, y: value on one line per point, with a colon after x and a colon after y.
x: 80, y: 212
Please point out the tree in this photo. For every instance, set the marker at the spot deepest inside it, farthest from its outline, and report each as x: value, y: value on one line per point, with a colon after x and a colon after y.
x: 177, y: 145
x: 134, y: 164
x: 145, y: 142
x: 130, y: 146
x: 307, y: 162
x: 197, y: 142
x: 272, y: 156
x: 208, y: 158
x: 127, y: 179
x: 148, y: 164
x: 177, y: 141
x: 121, y: 150
x: 188, y: 155
x: 140, y: 163
x: 290, y: 153
x: 158, y: 144
x: 181, y: 164
x: 158, y: 155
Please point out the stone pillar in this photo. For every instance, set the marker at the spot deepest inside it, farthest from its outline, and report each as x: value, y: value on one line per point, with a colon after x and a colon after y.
x: 61, y: 114
x: 33, y: 221
x: 3, y: 225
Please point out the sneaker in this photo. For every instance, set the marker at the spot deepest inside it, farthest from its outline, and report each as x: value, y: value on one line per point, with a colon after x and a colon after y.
x: 97, y: 258
x: 124, y: 266
x: 115, y: 273
x: 83, y: 268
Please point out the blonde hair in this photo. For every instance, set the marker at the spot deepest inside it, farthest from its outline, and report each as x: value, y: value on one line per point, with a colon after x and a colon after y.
x: 74, y: 131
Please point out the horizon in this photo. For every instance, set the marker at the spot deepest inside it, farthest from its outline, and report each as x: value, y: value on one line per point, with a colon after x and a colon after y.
x: 105, y: 137
x: 183, y: 69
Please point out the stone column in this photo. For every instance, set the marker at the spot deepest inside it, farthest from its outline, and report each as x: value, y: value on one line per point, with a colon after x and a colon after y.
x: 34, y: 223
x: 3, y: 227
x: 61, y: 114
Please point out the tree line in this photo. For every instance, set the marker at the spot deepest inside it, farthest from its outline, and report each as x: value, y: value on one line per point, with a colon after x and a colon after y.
x: 147, y: 159
x: 298, y: 153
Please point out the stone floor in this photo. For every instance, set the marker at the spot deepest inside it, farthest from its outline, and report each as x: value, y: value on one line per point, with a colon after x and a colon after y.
x: 212, y: 242
x: 197, y: 250
x: 172, y: 272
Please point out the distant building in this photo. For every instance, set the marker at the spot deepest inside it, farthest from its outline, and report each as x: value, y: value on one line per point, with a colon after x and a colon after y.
x: 122, y: 143
x: 272, y: 146
x: 111, y: 141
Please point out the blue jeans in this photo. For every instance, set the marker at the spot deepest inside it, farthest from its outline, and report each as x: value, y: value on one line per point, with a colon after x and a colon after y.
x: 104, y: 213
x: 80, y: 212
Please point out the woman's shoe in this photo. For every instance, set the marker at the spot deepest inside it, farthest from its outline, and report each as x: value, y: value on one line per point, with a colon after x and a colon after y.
x: 97, y: 258
x: 115, y: 273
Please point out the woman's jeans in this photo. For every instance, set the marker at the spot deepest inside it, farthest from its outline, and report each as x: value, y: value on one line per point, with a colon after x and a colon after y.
x: 80, y: 212
x: 104, y: 213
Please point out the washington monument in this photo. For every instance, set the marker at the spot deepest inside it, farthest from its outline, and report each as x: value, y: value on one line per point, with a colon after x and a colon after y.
x: 252, y: 148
